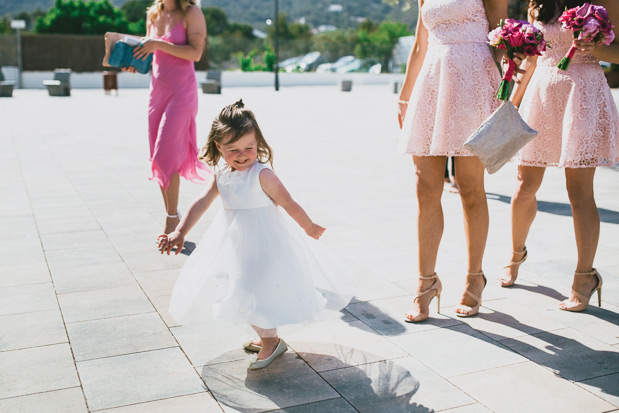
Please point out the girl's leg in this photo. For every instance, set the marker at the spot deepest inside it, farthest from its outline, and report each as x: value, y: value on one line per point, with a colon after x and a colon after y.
x: 475, y: 207
x: 429, y: 173
x: 586, y: 226
x: 269, y: 341
x: 170, y: 199
x: 524, y: 209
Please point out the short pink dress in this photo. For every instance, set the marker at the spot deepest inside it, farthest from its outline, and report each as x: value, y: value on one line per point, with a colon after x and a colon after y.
x: 454, y: 92
x: 172, y: 110
x: 573, y: 111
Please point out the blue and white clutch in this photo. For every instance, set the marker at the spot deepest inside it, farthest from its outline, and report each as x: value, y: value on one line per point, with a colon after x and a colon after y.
x: 119, y: 53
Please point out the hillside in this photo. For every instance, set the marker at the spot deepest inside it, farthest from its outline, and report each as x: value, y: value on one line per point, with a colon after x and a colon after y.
x: 256, y: 12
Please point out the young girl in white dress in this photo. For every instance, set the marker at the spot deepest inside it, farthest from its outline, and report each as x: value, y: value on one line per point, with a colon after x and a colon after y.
x: 253, y: 265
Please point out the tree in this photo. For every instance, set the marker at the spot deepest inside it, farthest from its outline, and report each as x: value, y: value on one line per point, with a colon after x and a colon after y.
x: 216, y: 20
x: 378, y: 43
x: 336, y: 43
x: 80, y: 17
x: 135, y: 10
x: 406, y: 4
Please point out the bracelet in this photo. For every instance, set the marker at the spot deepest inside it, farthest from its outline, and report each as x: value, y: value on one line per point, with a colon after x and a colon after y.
x: 403, y: 102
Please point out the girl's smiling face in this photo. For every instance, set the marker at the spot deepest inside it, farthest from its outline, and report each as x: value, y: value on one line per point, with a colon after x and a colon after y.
x: 241, y: 154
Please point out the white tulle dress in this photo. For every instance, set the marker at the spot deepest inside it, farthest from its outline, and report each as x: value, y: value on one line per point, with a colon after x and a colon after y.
x: 256, y: 265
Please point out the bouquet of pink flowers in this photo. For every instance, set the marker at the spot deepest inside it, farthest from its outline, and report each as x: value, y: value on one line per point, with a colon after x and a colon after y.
x: 515, y: 36
x: 589, y: 23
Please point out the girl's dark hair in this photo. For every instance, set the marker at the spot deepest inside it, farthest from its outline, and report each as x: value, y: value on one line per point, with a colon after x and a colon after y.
x: 546, y: 11
x: 234, y: 122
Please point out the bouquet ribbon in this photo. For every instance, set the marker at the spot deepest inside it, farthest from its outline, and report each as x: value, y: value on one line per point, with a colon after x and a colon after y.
x: 567, y: 59
x: 503, y: 91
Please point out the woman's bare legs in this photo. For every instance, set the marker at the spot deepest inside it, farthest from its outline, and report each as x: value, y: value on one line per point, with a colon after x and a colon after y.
x: 475, y: 207
x: 524, y: 209
x: 579, y: 183
x: 429, y: 173
x: 170, y: 199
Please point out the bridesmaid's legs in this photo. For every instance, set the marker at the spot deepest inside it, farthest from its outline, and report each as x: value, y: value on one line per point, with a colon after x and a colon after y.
x: 268, y: 339
x: 429, y: 173
x: 524, y: 209
x: 586, y: 224
x: 475, y: 207
x: 170, y: 199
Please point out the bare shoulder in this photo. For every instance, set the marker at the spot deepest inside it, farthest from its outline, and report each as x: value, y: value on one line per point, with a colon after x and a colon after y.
x: 194, y: 20
x: 267, y: 176
x: 194, y: 12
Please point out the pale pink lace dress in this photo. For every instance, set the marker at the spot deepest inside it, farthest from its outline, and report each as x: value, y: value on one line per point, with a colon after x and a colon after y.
x: 454, y: 92
x: 573, y: 111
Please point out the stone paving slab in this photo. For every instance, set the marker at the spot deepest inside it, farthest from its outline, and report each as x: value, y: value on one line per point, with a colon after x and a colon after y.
x: 82, y: 288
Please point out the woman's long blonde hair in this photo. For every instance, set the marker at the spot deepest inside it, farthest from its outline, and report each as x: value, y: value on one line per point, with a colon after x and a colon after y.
x: 153, y: 11
x: 232, y: 124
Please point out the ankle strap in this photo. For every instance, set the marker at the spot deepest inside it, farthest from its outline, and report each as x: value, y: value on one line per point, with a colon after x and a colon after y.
x: 477, y: 273
x: 592, y: 272
x: 173, y: 216
x: 429, y: 277
x: 521, y: 252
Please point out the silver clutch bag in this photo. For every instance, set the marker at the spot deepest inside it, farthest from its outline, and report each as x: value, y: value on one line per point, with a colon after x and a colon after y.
x: 500, y: 137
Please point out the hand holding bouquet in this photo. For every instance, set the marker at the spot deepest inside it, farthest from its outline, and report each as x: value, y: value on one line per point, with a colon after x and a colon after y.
x: 589, y: 23
x: 515, y: 36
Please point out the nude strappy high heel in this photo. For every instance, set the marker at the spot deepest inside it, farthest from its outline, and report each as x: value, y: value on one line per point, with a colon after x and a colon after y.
x: 584, y: 299
x: 470, y: 311
x: 437, y: 287
x: 508, y: 282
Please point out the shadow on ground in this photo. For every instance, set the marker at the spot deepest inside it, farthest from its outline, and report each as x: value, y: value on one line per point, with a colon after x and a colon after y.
x: 567, y: 357
x: 295, y: 381
x: 558, y: 208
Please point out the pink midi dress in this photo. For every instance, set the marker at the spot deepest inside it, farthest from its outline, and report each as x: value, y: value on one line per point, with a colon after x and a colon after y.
x: 454, y: 91
x: 172, y: 110
x: 573, y: 111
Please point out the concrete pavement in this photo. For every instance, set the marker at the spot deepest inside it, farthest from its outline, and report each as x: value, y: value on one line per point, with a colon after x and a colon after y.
x: 84, y: 293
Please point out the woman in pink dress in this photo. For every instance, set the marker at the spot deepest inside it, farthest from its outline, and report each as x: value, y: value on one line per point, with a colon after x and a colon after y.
x: 176, y: 35
x: 578, y: 126
x: 447, y: 93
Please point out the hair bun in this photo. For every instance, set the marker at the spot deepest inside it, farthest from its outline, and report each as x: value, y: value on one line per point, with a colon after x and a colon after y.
x: 239, y: 104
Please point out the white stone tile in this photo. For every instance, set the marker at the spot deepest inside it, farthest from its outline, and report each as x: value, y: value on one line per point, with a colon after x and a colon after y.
x: 36, y: 370
x: 27, y: 298
x: 57, y: 401
x: 570, y: 353
x: 195, y: 403
x: 526, y: 387
x: 137, y: 378
x: 119, y: 335
x: 35, y: 329
x: 456, y: 350
x: 112, y: 302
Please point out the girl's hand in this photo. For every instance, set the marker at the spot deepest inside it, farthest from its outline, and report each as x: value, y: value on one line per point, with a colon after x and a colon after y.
x: 129, y: 69
x: 402, y: 106
x: 584, y: 46
x: 315, y: 231
x: 167, y: 242
x: 147, y: 47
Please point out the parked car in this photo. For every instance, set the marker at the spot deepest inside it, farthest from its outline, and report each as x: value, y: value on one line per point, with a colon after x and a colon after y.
x: 291, y: 64
x: 310, y: 61
x: 353, y: 65
x: 332, y: 67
